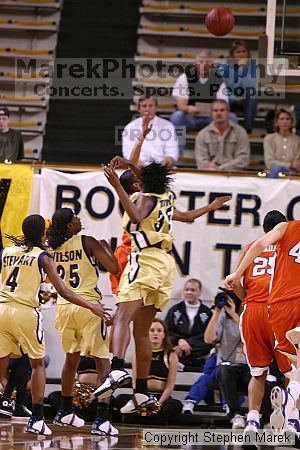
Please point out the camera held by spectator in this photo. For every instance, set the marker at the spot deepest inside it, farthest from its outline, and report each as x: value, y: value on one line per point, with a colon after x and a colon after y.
x: 221, y: 299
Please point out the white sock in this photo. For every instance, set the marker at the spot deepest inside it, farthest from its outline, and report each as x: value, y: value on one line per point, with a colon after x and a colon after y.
x: 253, y: 414
x: 294, y: 389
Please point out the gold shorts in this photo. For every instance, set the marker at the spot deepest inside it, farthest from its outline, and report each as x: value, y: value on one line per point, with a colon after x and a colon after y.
x: 148, y: 276
x: 21, y: 326
x: 81, y: 331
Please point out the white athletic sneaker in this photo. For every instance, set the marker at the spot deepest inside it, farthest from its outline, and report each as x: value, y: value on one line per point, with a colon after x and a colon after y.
x: 37, y: 427
x: 103, y: 428
x: 283, y: 405
x: 251, y: 428
x: 188, y: 407
x: 137, y: 402
x: 293, y: 427
x: 64, y: 419
x: 238, y: 422
x: 115, y: 379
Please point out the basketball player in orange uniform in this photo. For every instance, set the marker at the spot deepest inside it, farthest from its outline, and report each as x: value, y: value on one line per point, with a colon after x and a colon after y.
x: 284, y: 312
x: 256, y: 332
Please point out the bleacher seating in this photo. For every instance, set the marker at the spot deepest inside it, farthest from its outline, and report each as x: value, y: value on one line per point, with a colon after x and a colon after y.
x: 28, y: 30
x: 174, y: 31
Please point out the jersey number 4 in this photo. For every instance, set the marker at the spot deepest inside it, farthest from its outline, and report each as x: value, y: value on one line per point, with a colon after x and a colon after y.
x: 12, y: 280
x: 295, y: 252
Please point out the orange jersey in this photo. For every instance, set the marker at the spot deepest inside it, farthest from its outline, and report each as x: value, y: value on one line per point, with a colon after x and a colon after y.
x: 285, y: 283
x: 121, y: 253
x: 257, y: 276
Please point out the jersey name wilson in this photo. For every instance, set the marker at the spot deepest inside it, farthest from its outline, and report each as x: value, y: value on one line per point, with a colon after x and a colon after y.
x: 72, y: 255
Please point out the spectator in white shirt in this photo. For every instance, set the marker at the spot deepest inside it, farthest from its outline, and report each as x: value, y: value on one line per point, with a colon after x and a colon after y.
x: 160, y: 144
x: 194, y: 91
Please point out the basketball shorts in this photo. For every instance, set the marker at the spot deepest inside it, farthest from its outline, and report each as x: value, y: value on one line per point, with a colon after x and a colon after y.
x: 259, y: 340
x: 148, y: 276
x: 21, y: 326
x: 81, y: 331
x: 285, y: 316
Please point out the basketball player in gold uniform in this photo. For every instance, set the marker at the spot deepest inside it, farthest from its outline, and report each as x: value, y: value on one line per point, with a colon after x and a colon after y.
x: 76, y: 259
x: 22, y: 270
x: 147, y: 281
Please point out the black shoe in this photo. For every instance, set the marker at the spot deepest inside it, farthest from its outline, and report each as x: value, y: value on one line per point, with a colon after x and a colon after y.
x: 21, y: 413
x: 6, y: 408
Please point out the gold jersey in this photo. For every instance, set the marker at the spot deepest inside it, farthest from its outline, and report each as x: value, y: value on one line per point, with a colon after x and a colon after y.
x: 156, y: 227
x: 22, y: 275
x: 77, y: 269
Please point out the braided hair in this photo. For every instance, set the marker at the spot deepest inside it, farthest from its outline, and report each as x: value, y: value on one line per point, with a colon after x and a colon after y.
x: 58, y: 233
x: 33, y: 228
x: 156, y: 178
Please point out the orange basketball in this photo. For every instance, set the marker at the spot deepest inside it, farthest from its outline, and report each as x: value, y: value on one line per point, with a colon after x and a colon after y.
x: 219, y: 21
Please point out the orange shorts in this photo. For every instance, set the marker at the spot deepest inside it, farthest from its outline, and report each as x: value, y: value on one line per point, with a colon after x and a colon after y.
x: 259, y: 340
x: 285, y: 316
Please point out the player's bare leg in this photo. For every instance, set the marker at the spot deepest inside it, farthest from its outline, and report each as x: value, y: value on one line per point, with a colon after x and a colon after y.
x: 284, y: 401
x: 36, y: 423
x: 119, y: 377
x: 256, y: 390
x: 66, y: 415
x: 141, y: 325
x: 102, y: 425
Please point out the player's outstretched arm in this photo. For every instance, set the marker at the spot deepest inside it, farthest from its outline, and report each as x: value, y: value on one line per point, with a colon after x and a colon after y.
x: 256, y: 248
x: 136, y: 212
x: 102, y: 251
x: 50, y: 269
x: 190, y: 216
x: 146, y: 128
x: 238, y: 289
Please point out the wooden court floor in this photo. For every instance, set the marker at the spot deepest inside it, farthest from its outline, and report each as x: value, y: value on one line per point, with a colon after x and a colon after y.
x: 12, y: 436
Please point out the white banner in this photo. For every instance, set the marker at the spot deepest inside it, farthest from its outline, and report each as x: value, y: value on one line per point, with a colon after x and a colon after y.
x: 205, y: 249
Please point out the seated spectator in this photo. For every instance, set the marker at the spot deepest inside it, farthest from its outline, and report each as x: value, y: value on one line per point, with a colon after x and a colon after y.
x: 282, y: 148
x: 160, y: 144
x: 186, y: 322
x: 194, y: 91
x: 222, y: 145
x: 241, y: 80
x: 233, y: 374
x: 201, y: 391
x: 162, y: 376
x: 11, y: 141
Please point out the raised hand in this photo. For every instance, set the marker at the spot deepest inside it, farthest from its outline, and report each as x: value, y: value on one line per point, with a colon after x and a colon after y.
x: 111, y: 175
x: 219, y: 201
x: 118, y: 161
x: 146, y: 127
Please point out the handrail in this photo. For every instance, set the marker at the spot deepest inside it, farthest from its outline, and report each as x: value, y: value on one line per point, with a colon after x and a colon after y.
x: 93, y: 167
